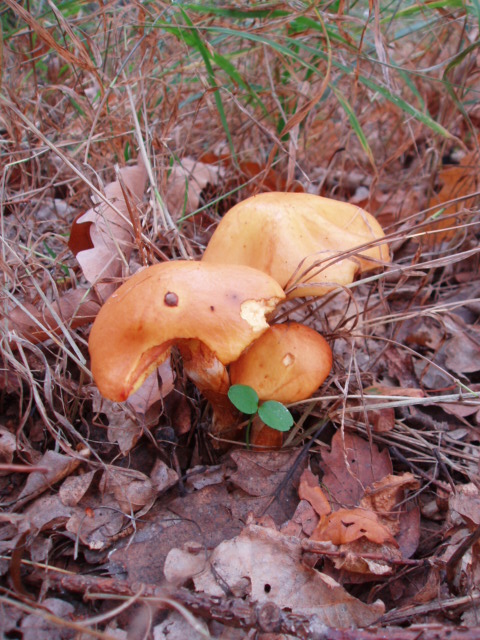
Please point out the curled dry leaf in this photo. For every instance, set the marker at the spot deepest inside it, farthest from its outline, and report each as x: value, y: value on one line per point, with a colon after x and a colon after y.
x: 385, y: 496
x: 363, y: 560
x: 185, y: 184
x: 309, y: 489
x: 131, y: 489
x: 182, y: 564
x: 101, y: 239
x: 124, y: 427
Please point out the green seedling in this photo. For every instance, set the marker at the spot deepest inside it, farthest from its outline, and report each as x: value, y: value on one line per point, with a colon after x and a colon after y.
x: 274, y: 414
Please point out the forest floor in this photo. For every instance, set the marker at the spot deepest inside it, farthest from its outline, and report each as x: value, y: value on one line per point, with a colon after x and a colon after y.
x: 127, y: 131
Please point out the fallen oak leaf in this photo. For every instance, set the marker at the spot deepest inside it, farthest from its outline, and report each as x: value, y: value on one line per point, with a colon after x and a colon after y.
x: 351, y: 465
x: 347, y: 525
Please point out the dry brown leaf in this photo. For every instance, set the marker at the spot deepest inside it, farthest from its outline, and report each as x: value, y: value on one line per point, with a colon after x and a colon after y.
x: 58, y: 467
x: 45, y: 513
x: 185, y: 184
x: 8, y: 446
x: 347, y: 525
x: 125, y: 427
x: 131, y: 489
x: 260, y: 473
x: 111, y: 235
x: 464, y: 506
x: 463, y: 353
x: 351, y: 466
x: 309, y: 489
x: 162, y: 476
x: 264, y: 565
x: 457, y: 182
x: 384, y: 496
x: 97, y: 525
x: 304, y: 520
x: 75, y: 308
x: 74, y: 488
x: 35, y: 626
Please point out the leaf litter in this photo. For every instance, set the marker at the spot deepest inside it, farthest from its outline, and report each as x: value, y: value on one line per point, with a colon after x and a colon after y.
x: 371, y: 519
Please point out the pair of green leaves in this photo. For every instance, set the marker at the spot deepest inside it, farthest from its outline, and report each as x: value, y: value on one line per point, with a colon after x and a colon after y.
x: 274, y: 414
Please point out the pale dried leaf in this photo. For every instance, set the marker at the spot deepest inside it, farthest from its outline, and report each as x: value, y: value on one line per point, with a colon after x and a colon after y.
x: 111, y: 234
x: 464, y: 505
x: 162, y: 477
x: 156, y: 387
x: 46, y: 513
x: 182, y: 564
x: 185, y: 184
x: 384, y: 496
x: 266, y: 566
x: 131, y: 489
x: 176, y: 627
x: 74, y: 488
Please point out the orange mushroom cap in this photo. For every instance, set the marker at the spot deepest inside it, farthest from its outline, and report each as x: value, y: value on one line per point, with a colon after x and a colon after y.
x: 280, y: 233
x: 223, y: 307
x: 287, y: 363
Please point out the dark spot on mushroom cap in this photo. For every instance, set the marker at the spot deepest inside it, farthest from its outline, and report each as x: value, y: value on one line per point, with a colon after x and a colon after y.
x: 171, y: 299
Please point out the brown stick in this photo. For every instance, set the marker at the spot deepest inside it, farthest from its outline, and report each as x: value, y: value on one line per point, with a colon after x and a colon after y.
x: 235, y: 612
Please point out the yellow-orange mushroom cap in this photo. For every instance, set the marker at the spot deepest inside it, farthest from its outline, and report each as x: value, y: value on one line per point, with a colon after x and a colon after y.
x: 222, y: 306
x: 287, y: 363
x: 280, y: 233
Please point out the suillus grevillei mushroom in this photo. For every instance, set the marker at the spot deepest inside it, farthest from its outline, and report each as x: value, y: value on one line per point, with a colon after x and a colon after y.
x: 287, y: 363
x: 308, y: 243
x: 211, y: 312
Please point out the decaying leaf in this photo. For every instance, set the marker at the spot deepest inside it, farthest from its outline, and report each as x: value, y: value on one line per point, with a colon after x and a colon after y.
x: 58, y: 466
x: 125, y: 427
x: 264, y: 565
x: 385, y: 495
x: 352, y: 465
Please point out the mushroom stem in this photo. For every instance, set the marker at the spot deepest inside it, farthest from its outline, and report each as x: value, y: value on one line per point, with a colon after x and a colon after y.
x: 212, y: 380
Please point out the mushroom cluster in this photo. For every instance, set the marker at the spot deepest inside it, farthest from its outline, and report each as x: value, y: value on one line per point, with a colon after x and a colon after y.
x: 216, y: 311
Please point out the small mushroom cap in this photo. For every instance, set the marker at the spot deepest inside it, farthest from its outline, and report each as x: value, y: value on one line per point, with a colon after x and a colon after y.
x: 287, y: 363
x: 222, y: 306
x: 280, y: 233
